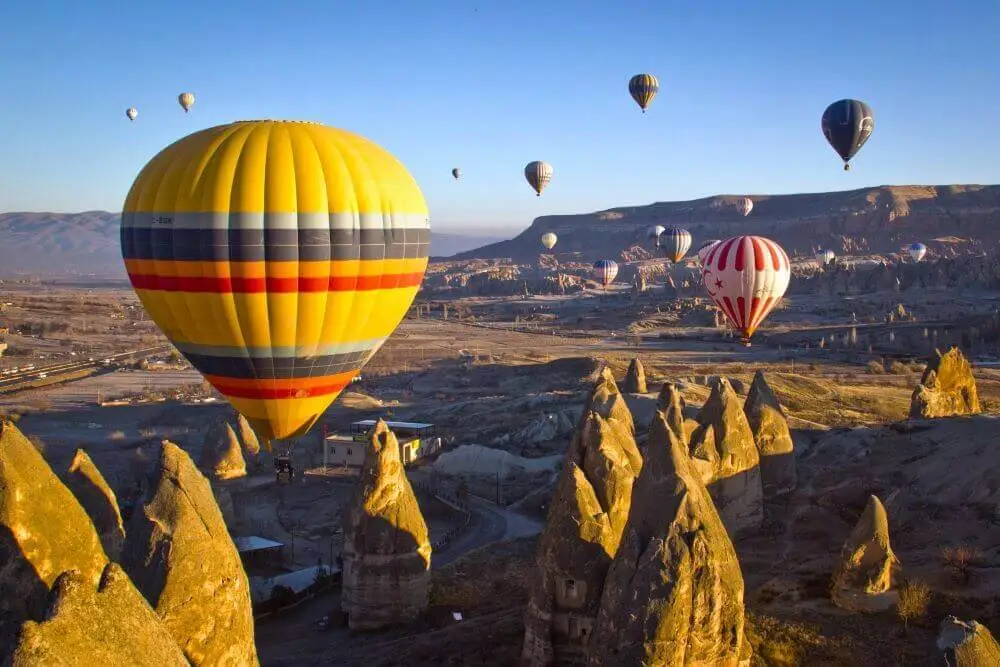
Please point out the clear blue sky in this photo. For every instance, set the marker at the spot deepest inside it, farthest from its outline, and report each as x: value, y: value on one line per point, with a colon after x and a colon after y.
x: 488, y: 85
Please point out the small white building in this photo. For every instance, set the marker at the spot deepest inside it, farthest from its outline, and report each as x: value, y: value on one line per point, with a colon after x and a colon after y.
x: 416, y: 440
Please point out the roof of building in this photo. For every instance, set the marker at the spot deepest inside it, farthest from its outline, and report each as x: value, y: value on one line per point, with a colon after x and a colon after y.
x: 247, y: 543
x: 413, y: 426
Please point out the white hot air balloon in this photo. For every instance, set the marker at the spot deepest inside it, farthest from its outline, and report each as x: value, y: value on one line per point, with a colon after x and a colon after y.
x: 131, y: 113
x: 744, y: 206
x: 746, y: 277
x: 549, y: 240
x: 654, y: 232
x: 186, y: 100
x: 538, y: 174
x: 824, y: 257
x: 917, y: 251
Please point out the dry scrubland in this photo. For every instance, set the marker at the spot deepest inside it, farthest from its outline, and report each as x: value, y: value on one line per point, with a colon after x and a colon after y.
x: 507, y: 373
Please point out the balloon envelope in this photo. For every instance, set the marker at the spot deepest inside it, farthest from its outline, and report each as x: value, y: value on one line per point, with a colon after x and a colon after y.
x: 456, y: 172
x: 847, y: 125
x: 131, y: 113
x: 917, y: 251
x: 744, y: 206
x: 538, y: 175
x: 746, y: 277
x: 704, y: 248
x: 549, y: 240
x: 643, y: 88
x: 605, y: 271
x: 277, y: 256
x: 654, y: 232
x: 674, y: 242
x: 824, y: 257
x: 186, y: 100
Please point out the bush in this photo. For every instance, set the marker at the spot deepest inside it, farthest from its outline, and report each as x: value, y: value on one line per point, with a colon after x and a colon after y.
x: 875, y: 367
x: 959, y: 561
x: 898, y: 368
x: 914, y: 598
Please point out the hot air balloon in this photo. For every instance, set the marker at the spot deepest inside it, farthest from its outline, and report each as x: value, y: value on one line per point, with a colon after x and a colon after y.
x: 744, y: 206
x: 538, y: 174
x: 704, y: 248
x: 186, y: 100
x: 456, y: 172
x: 674, y: 242
x: 917, y: 251
x: 654, y: 232
x: 643, y: 88
x: 277, y: 256
x: 605, y: 271
x: 824, y: 257
x: 549, y: 240
x: 746, y: 276
x: 131, y: 113
x: 847, y: 124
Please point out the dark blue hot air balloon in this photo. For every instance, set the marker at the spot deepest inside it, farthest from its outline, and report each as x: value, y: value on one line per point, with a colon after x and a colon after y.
x: 847, y: 124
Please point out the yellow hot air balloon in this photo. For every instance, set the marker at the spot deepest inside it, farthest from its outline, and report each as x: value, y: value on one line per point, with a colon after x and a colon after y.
x: 549, y: 240
x: 186, y: 100
x: 277, y: 256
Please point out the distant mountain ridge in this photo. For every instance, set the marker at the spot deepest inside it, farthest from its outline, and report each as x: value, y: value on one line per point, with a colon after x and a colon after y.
x: 52, y: 244
x: 867, y: 220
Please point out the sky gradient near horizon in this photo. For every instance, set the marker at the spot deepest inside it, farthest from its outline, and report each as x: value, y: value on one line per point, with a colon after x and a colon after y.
x: 489, y: 85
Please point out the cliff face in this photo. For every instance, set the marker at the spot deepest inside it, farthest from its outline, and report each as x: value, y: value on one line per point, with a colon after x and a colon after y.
x: 876, y: 219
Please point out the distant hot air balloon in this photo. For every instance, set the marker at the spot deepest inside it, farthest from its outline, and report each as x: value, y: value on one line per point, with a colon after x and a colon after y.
x: 746, y: 276
x: 917, y: 251
x: 538, y: 174
x: 654, y: 232
x: 549, y: 240
x: 824, y: 257
x: 744, y: 206
x: 186, y: 100
x: 704, y: 248
x: 456, y: 172
x: 847, y: 125
x: 605, y: 271
x: 131, y: 113
x: 643, y: 88
x: 323, y: 245
x: 674, y: 242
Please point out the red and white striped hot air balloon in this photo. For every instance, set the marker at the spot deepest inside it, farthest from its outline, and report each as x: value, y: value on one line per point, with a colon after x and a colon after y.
x: 746, y: 276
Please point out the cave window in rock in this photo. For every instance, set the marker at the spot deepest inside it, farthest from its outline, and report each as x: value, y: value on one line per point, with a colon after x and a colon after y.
x: 570, y: 589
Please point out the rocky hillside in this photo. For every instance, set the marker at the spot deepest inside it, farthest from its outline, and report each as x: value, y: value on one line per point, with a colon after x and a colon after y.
x: 877, y: 219
x: 72, y: 243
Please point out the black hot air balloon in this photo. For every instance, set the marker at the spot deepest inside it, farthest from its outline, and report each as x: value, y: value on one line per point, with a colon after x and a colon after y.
x: 847, y: 124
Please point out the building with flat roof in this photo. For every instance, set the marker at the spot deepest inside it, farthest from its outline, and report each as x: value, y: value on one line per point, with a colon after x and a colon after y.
x: 416, y: 439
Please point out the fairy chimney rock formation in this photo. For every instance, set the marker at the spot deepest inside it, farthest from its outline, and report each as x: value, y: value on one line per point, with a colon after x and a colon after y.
x: 106, y: 623
x: 43, y: 532
x: 387, y: 549
x: 674, y: 592
x: 221, y: 454
x: 99, y: 501
x: 635, y: 378
x: 607, y: 401
x: 586, y: 516
x: 671, y: 403
x: 947, y: 388
x: 967, y: 644
x: 869, y: 571
x: 251, y: 443
x: 180, y: 556
x: 724, y: 444
x: 772, y: 436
